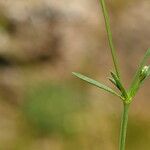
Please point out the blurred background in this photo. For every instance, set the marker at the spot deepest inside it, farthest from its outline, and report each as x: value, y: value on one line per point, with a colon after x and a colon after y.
x: 42, y: 106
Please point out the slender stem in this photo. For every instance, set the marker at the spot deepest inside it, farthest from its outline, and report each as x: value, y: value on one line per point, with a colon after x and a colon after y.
x: 110, y: 39
x: 124, y: 123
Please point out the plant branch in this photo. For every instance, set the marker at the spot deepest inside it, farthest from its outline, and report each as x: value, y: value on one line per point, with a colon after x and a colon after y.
x: 135, y: 82
x: 110, y: 39
x: 123, y: 130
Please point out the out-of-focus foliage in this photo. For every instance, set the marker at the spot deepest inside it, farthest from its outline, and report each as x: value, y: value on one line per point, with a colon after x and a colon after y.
x: 51, y: 108
x: 41, y: 43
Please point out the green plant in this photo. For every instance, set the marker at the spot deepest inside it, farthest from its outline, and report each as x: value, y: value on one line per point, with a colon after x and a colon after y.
x: 126, y: 95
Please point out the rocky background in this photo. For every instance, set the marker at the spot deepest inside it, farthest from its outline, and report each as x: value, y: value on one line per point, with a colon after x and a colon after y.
x: 42, y: 106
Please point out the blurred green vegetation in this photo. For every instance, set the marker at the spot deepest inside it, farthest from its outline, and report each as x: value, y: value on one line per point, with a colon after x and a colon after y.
x: 50, y: 108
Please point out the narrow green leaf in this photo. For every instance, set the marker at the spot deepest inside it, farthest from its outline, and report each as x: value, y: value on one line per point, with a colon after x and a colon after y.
x: 135, y: 83
x: 112, y: 81
x: 119, y: 85
x: 116, y: 80
x: 96, y: 83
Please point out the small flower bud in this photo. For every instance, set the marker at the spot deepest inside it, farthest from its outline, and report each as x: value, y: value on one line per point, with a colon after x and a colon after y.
x: 144, y: 73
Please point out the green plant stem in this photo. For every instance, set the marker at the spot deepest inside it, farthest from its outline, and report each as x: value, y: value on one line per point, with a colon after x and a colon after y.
x: 110, y: 39
x: 123, y: 130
